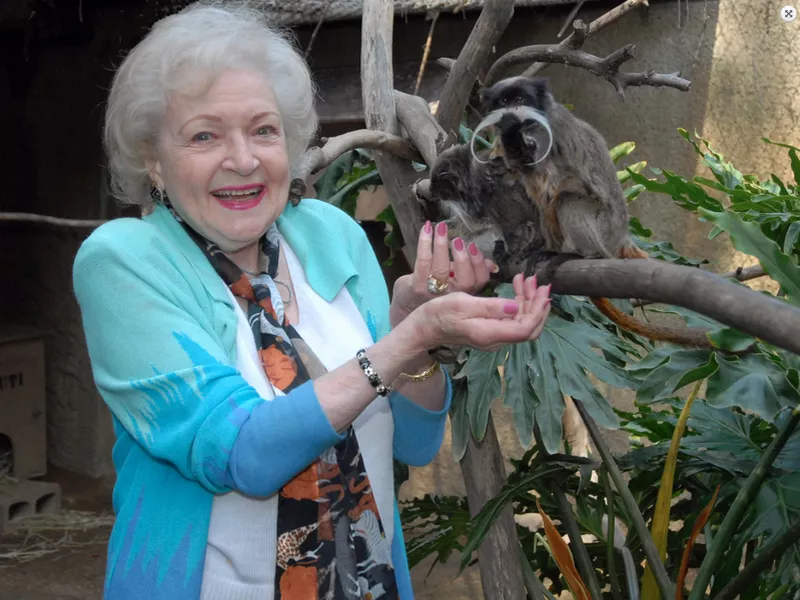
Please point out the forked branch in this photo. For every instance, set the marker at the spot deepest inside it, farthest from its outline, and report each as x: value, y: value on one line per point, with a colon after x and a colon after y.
x: 577, y: 38
x: 607, y: 67
x: 317, y: 157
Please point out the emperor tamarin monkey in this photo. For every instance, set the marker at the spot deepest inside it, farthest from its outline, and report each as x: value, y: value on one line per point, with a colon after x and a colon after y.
x: 567, y: 172
x: 482, y: 205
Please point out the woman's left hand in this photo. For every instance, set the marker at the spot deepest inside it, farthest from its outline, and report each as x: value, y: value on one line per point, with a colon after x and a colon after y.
x: 468, y: 272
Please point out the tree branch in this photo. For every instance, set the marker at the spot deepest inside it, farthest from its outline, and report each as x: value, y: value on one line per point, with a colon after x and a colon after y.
x: 427, y: 136
x: 607, y: 67
x: 488, y: 30
x: 317, y: 158
x: 737, y: 306
x: 56, y: 221
x: 577, y: 38
x: 377, y: 78
x: 739, y: 274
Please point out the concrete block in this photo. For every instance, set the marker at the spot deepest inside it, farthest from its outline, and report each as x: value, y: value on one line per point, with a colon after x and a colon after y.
x: 24, y: 499
x: 22, y: 400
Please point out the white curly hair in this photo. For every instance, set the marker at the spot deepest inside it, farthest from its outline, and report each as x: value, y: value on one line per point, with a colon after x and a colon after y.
x: 204, y: 39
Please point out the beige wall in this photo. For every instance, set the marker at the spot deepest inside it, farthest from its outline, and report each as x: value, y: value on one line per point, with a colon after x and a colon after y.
x: 742, y: 61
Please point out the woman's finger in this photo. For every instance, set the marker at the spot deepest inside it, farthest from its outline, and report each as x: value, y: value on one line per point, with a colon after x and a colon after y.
x: 480, y: 267
x: 440, y: 266
x: 462, y: 266
x: 424, y: 262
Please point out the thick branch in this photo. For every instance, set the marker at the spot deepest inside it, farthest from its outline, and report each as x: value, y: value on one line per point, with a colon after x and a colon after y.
x: 317, y: 158
x: 484, y: 475
x: 739, y: 274
x: 421, y: 126
x: 607, y: 67
x: 737, y: 306
x: 577, y: 38
x: 488, y: 30
x: 56, y: 221
x: 377, y: 92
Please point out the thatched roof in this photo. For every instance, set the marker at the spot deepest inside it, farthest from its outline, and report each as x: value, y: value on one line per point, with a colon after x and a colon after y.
x: 287, y: 13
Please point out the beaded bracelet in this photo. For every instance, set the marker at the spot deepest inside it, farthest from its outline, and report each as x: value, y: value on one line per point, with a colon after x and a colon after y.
x: 374, y: 378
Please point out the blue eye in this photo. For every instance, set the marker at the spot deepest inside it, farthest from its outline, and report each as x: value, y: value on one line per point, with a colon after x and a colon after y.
x: 203, y: 136
x: 266, y: 130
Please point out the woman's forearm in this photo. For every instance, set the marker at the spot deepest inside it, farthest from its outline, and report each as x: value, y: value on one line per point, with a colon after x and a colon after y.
x: 345, y: 392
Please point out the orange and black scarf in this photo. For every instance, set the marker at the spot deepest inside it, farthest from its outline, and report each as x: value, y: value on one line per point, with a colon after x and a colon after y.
x: 331, y: 541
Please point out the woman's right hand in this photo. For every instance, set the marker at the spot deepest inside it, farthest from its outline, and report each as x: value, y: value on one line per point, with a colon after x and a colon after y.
x: 460, y: 319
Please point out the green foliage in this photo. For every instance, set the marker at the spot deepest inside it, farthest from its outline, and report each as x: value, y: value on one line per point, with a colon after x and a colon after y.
x: 750, y: 390
x: 750, y: 387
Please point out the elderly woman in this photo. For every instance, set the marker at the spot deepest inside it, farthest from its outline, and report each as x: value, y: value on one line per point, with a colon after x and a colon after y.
x: 259, y: 379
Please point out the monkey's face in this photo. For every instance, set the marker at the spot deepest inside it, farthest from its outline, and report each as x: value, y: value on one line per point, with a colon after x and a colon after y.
x: 533, y: 92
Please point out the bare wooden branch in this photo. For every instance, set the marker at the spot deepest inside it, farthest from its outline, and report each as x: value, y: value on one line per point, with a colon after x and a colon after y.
x: 487, y: 32
x: 607, y: 67
x: 377, y: 78
x: 317, y: 158
x: 737, y: 306
x: 55, y: 221
x: 426, y: 52
x: 594, y: 27
x: 739, y: 274
x: 415, y: 116
x: 484, y: 473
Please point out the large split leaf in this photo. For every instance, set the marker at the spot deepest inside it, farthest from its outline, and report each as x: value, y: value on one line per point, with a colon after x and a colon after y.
x: 748, y: 238
x: 434, y: 525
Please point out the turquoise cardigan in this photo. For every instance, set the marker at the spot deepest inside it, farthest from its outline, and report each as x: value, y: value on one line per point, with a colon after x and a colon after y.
x: 161, y: 333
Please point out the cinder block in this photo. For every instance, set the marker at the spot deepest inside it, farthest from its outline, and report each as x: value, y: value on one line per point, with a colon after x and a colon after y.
x: 24, y: 499
x: 22, y: 400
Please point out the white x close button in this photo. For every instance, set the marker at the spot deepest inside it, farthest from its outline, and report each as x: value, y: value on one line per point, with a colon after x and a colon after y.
x: 788, y: 13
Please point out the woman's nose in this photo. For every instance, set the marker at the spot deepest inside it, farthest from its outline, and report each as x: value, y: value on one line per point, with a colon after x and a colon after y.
x: 240, y: 157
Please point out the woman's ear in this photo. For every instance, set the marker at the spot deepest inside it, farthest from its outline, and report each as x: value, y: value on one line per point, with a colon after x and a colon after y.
x: 153, y: 166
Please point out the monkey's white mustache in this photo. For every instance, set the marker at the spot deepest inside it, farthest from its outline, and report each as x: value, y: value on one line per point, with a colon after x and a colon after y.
x: 523, y: 113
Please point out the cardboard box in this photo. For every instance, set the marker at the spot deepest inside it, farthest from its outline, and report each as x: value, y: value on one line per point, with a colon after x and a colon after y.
x: 23, y: 422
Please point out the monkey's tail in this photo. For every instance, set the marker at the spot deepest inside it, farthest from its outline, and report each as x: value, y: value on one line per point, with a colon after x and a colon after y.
x: 683, y: 336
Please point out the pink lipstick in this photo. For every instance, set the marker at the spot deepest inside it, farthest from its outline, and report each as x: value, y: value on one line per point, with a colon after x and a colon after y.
x: 242, y: 197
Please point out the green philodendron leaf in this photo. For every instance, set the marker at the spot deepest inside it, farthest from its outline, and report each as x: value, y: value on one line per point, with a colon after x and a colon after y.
x: 632, y: 192
x: 665, y: 251
x: 748, y: 238
x: 680, y: 368
x: 484, y: 386
x: 775, y: 509
x: 549, y: 397
x: 624, y: 175
x: 731, y: 340
x: 459, y: 422
x: 636, y: 228
x: 793, y: 156
x: 519, y: 395
x: 790, y: 245
x: 446, y: 522
x: 621, y: 150
x: 329, y: 181
x: 752, y: 382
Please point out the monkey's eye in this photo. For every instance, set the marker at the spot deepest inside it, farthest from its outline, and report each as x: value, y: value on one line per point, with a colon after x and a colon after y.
x: 518, y: 99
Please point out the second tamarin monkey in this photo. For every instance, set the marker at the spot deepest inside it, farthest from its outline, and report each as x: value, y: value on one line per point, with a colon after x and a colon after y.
x: 564, y: 165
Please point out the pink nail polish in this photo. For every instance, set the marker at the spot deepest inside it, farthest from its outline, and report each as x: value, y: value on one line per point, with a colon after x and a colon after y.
x: 458, y: 244
x: 473, y: 249
x: 511, y: 308
x: 428, y: 227
x: 441, y: 228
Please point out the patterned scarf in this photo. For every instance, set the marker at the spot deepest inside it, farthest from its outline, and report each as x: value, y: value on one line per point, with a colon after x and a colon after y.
x: 331, y: 542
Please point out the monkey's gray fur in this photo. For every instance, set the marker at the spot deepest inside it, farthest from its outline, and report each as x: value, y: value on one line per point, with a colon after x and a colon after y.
x: 583, y: 208
x: 482, y: 205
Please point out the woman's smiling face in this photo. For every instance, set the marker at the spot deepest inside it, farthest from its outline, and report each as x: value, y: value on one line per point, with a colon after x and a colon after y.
x: 221, y: 159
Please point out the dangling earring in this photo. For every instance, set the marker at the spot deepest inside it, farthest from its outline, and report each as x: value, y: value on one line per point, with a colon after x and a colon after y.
x: 157, y: 193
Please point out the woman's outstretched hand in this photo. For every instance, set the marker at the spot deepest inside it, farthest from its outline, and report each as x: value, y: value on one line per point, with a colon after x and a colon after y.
x: 460, y: 319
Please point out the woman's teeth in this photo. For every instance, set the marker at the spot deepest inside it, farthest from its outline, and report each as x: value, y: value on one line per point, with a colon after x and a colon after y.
x: 236, y: 194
